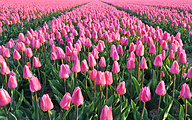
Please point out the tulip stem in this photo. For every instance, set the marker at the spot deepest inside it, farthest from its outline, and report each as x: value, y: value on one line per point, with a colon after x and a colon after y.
x: 13, y: 92
x: 44, y: 53
x: 138, y: 69
x: 29, y: 63
x: 39, y: 74
x: 49, y: 115
x: 158, y: 107
x: 181, y: 73
x: 85, y: 80
x: 160, y: 73
x: 94, y: 91
x: 65, y: 85
x: 142, y: 77
x: 75, y: 79
x: 143, y: 111
x: 37, y: 110
x: 62, y: 61
x: 106, y: 92
x: 121, y: 106
x: 131, y: 81
x: 6, y: 82
x: 6, y: 112
x: 115, y: 82
x: 100, y: 97
x: 77, y: 113
x: 173, y: 86
x: 185, y: 109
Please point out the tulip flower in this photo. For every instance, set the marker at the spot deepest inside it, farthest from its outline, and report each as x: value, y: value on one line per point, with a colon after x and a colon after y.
x: 189, y: 75
x: 158, y: 63
x: 84, y: 69
x: 161, y: 91
x: 174, y: 70
x: 64, y: 74
x: 102, y: 62
x: 46, y: 104
x: 77, y: 99
x: 93, y: 75
x: 182, y: 60
x: 139, y: 52
x: 185, y: 93
x: 121, y: 89
x: 106, y: 113
x: 76, y: 68
x: 109, y: 81
x: 116, y: 70
x: 35, y: 86
x: 143, y: 65
x: 60, y: 53
x: 144, y: 96
x: 91, y: 60
x: 101, y: 81
x: 16, y: 55
x: 5, y: 99
x: 4, y: 71
x: 65, y: 102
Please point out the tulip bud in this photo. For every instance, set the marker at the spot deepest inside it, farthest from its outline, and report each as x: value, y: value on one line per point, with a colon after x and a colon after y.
x: 65, y: 102
x: 185, y: 91
x: 106, y: 113
x: 145, y: 94
x: 34, y: 84
x: 77, y: 97
x: 121, y: 89
x: 46, y: 103
x: 160, y: 90
x: 12, y: 84
x: 4, y: 97
x: 174, y: 68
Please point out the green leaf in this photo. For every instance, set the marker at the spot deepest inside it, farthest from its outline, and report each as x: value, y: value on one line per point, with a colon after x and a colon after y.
x: 135, y: 111
x: 137, y: 87
x: 18, y: 113
x: 164, y: 113
x: 60, y: 117
x: 110, y: 101
x: 181, y: 113
x: 12, y: 117
x: 20, y: 100
x: 145, y: 115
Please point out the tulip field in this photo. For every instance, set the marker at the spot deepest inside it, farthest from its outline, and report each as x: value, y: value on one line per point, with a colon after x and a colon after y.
x: 95, y: 60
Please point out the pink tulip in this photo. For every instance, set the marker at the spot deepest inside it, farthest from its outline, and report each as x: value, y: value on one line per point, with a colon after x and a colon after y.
x: 106, y: 113
x: 93, y: 74
x: 77, y: 97
x: 4, y: 68
x: 152, y: 49
x: 160, y: 90
x: 120, y: 50
x: 116, y: 67
x: 158, y: 61
x: 28, y: 52
x: 174, y: 68
x: 12, y: 84
x: 36, y: 62
x: 65, y: 102
x: 189, y: 73
x: 162, y: 74
x: 60, y: 53
x: 102, y: 62
x: 53, y: 56
x: 121, y: 89
x: 46, y: 103
x: 35, y: 85
x: 84, y: 66
x: 140, y: 50
x: 64, y: 71
x: 91, y: 60
x: 27, y: 74
x: 100, y: 78
x: 145, y: 94
x: 4, y: 97
x: 76, y: 66
x: 143, y: 63
x: 185, y: 91
x: 108, y: 77
x: 130, y: 63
